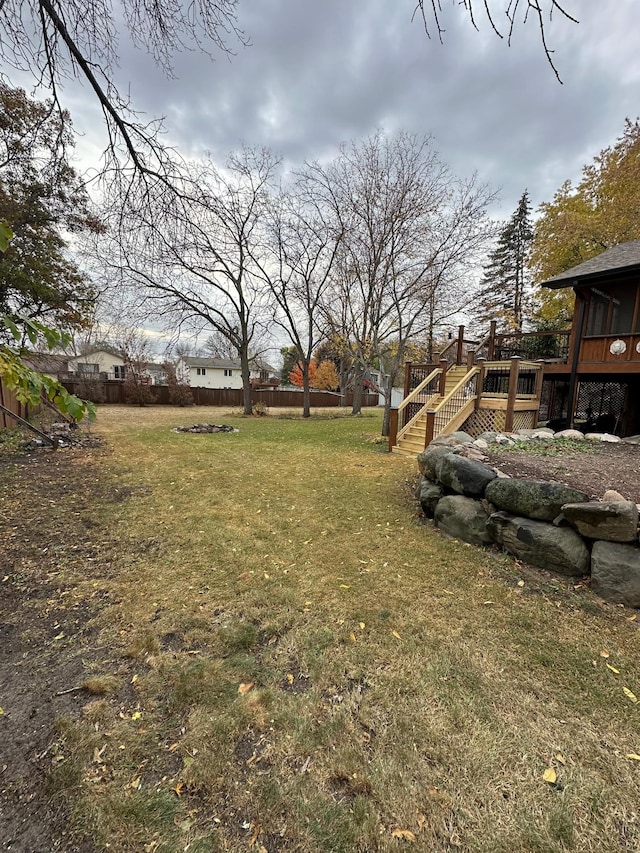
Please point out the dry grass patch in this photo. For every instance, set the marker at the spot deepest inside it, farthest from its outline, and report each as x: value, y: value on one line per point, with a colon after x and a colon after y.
x: 310, y: 668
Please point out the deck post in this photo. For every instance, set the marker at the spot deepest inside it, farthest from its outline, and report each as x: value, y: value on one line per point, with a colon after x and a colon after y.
x: 431, y: 424
x: 471, y: 357
x: 459, y: 346
x: 538, y: 391
x: 480, y: 381
x: 444, y: 364
x: 514, y: 370
x: 393, y: 427
x: 407, y: 379
x: 491, y: 347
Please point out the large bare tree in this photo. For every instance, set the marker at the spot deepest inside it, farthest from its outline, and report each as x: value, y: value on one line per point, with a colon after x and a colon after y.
x: 191, y: 256
x: 408, y: 228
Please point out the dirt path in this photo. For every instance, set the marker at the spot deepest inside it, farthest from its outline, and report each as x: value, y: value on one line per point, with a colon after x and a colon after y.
x: 48, y: 541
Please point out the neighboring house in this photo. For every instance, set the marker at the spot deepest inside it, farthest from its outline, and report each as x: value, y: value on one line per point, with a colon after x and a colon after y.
x: 262, y: 375
x: 99, y: 365
x: 156, y: 373
x: 210, y: 372
x: 49, y: 364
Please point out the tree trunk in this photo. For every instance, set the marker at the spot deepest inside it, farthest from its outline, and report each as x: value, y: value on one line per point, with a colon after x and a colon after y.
x: 306, y: 390
x: 387, y: 388
x: 357, y: 389
x: 246, y: 382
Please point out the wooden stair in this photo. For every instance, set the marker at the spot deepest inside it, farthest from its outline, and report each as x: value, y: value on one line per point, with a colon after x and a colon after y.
x: 412, y: 442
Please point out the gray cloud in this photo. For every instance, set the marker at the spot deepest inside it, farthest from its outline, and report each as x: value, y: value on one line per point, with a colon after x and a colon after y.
x: 318, y: 74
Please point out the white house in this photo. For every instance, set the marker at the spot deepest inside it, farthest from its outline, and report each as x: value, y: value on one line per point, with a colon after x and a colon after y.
x: 210, y: 372
x: 99, y: 362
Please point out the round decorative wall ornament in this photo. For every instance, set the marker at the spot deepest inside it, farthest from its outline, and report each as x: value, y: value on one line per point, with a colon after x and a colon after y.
x: 638, y: 347
x: 618, y: 347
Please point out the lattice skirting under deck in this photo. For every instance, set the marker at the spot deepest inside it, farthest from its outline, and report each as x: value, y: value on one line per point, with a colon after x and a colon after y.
x: 490, y: 420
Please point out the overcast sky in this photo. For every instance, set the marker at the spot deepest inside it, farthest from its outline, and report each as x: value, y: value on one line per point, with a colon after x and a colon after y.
x: 319, y: 73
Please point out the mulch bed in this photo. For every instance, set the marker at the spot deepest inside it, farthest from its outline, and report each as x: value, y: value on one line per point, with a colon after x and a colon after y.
x: 599, y: 467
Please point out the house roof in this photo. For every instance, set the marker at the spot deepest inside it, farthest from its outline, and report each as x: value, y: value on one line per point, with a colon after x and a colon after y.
x: 616, y: 259
x: 197, y: 361
x: 46, y: 362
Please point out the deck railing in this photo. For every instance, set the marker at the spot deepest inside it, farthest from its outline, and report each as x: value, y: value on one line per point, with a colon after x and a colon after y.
x: 411, y: 407
x: 552, y: 345
x: 450, y: 407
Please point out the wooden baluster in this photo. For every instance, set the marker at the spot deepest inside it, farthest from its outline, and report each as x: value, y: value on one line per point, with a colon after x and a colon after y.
x: 514, y: 370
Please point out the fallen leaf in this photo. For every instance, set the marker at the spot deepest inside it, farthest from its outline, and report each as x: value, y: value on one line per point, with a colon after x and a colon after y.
x: 613, y: 669
x: 362, y: 626
x: 630, y: 695
x: 178, y: 789
x: 173, y: 746
x: 520, y: 583
x: 633, y: 755
x: 352, y: 637
x: 344, y: 586
x: 487, y: 602
x: 403, y: 834
x: 560, y: 757
x: 267, y: 575
x: 254, y: 837
x: 632, y: 618
x: 136, y: 783
x: 245, y: 688
x: 290, y: 678
x: 550, y: 776
x: 1, y: 711
x: 134, y: 678
x: 396, y: 635
x: 604, y: 653
x: 136, y: 715
x: 59, y: 636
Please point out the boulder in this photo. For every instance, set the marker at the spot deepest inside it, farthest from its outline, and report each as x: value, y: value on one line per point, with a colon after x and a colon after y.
x: 463, y: 518
x: 481, y: 444
x: 611, y: 521
x: 487, y: 436
x: 464, y: 476
x: 503, y: 439
x: 571, y: 433
x: 602, y: 436
x: 632, y: 439
x: 557, y: 549
x: 612, y: 495
x: 615, y: 572
x: 532, y: 498
x: 469, y: 451
x: 428, y: 458
x: 462, y: 437
x: 430, y: 494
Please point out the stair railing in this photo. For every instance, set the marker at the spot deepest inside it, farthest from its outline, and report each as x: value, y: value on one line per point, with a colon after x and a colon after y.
x: 427, y: 388
x: 450, y: 407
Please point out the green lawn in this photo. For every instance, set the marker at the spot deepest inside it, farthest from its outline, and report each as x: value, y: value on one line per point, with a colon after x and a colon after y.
x: 292, y: 660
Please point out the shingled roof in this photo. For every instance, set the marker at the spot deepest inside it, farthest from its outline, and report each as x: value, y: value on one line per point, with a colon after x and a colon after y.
x: 617, y: 258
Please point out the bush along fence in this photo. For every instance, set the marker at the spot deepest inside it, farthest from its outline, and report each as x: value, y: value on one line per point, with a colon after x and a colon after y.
x: 114, y: 391
x: 545, y: 524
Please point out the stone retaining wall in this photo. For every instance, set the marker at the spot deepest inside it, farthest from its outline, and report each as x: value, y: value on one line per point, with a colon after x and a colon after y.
x: 546, y: 524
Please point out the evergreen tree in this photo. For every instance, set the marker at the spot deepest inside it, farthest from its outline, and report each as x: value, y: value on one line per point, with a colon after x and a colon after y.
x: 504, y: 285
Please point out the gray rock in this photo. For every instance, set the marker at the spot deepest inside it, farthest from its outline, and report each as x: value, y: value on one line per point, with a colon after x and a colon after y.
x: 487, y: 436
x: 481, y: 443
x: 503, y: 439
x: 632, y: 439
x: 463, y: 518
x: 430, y: 494
x: 543, y: 431
x: 612, y: 495
x: 612, y: 521
x: 602, y: 436
x: 469, y: 451
x: 464, y: 476
x: 418, y: 486
x: 428, y: 458
x: 532, y: 498
x: 452, y: 440
x: 557, y: 549
x: 571, y: 433
x: 615, y: 572
x: 462, y: 437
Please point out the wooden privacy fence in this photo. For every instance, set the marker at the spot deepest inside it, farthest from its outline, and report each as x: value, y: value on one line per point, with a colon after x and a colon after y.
x: 8, y: 401
x: 113, y: 391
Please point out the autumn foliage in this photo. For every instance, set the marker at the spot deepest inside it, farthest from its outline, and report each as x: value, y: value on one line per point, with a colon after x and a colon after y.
x: 322, y: 377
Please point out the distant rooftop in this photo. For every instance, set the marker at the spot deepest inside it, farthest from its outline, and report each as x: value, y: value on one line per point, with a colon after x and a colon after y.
x: 616, y: 259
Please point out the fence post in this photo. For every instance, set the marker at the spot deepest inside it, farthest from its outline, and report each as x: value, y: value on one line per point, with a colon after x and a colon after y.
x: 431, y: 424
x: 459, y: 346
x: 444, y: 364
x: 480, y: 381
x: 491, y: 347
x: 471, y: 357
x: 538, y: 391
x: 393, y: 428
x: 514, y: 370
